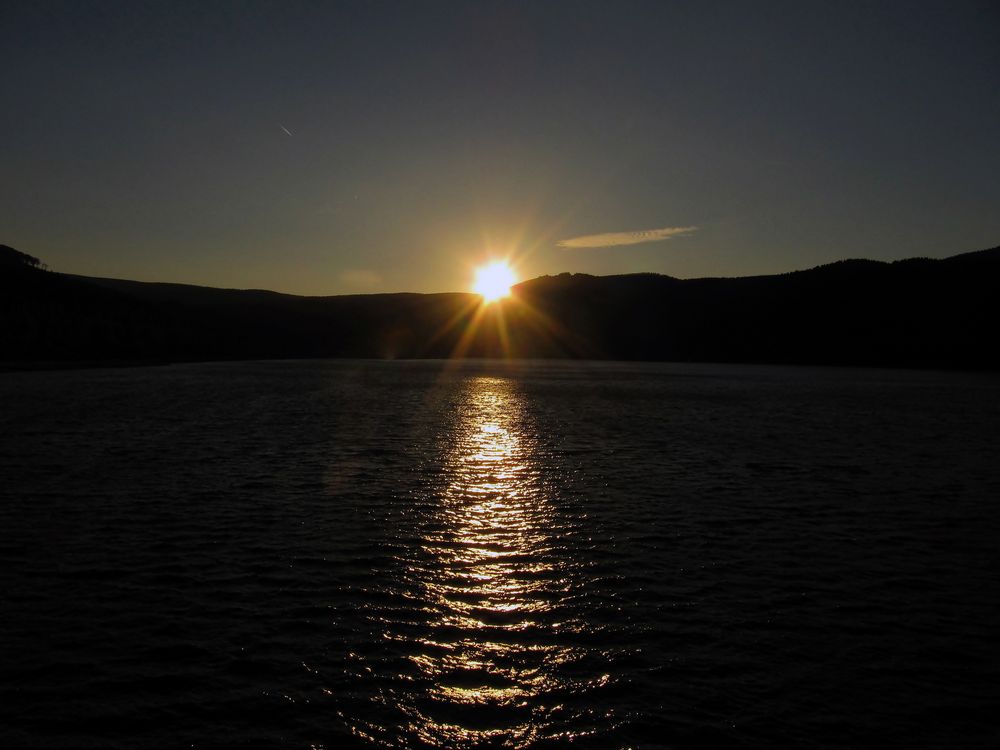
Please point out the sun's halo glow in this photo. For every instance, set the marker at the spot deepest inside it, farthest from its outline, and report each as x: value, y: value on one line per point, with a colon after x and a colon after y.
x: 494, y: 281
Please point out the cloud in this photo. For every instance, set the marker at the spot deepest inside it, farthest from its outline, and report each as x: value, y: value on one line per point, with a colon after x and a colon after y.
x: 360, y: 278
x: 613, y: 239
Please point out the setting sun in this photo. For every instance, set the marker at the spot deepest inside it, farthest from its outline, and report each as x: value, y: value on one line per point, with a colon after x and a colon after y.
x: 493, y: 281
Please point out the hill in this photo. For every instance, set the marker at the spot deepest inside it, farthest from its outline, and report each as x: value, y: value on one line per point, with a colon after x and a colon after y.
x: 918, y: 312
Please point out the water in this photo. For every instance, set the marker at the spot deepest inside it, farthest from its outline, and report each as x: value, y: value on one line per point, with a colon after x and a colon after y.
x: 420, y: 554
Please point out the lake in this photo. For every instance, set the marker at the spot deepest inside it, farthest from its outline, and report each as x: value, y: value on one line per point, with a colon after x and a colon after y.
x: 486, y: 554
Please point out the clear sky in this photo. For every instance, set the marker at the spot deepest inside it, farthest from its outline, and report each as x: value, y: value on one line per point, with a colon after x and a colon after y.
x: 326, y: 148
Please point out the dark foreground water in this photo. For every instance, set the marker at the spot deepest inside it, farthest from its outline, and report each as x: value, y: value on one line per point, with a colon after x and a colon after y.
x: 341, y: 554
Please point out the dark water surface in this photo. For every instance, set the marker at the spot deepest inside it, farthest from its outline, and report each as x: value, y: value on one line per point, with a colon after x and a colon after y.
x: 414, y: 554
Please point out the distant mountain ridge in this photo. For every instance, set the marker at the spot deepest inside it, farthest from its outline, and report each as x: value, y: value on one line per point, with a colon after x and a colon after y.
x: 918, y: 312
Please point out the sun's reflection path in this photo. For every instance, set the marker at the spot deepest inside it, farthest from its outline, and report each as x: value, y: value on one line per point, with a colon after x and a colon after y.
x: 491, y: 660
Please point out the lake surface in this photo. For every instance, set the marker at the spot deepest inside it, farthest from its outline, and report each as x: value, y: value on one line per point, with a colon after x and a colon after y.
x: 422, y: 554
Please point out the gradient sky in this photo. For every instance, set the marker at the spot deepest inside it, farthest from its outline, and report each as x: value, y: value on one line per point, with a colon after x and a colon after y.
x: 326, y: 148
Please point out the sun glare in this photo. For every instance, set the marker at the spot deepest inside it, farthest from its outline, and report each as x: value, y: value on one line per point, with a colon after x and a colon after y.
x: 494, y: 281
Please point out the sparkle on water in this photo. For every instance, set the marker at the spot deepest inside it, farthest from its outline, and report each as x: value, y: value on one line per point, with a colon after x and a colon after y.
x: 491, y: 574
x: 497, y: 554
x: 494, y: 281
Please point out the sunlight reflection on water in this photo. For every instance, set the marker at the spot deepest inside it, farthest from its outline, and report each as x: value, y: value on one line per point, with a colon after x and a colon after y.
x: 412, y: 555
x: 490, y: 575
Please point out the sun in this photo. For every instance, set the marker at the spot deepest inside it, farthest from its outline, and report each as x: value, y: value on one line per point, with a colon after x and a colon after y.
x: 493, y: 281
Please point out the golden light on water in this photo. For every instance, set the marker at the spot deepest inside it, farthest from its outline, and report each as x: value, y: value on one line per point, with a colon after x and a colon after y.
x: 491, y: 575
x: 493, y: 281
x: 479, y: 634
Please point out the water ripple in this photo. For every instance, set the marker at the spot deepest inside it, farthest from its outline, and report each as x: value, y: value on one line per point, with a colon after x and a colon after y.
x: 421, y: 555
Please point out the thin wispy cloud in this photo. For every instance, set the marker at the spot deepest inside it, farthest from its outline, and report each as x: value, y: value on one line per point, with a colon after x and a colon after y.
x: 614, y: 239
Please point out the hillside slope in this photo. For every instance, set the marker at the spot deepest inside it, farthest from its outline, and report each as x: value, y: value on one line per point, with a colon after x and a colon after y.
x: 918, y: 312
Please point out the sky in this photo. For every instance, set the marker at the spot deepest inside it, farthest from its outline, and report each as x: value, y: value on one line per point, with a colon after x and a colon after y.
x: 356, y: 147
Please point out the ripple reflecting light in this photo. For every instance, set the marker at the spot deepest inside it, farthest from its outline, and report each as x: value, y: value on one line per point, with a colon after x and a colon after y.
x: 356, y: 555
x: 492, y: 576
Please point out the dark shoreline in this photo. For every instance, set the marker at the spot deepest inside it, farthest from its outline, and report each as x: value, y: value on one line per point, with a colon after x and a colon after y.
x: 55, y: 366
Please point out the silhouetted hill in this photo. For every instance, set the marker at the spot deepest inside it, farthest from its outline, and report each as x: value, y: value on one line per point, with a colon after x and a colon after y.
x: 918, y: 312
